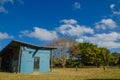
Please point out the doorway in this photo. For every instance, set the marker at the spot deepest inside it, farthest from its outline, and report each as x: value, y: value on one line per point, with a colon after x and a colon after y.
x: 36, y: 64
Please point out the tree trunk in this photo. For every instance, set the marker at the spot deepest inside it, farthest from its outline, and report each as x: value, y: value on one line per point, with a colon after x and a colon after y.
x: 63, y: 65
x: 98, y: 65
x: 76, y: 68
x: 103, y: 67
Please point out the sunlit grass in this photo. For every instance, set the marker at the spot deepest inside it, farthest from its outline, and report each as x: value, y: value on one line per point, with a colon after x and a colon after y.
x: 66, y: 74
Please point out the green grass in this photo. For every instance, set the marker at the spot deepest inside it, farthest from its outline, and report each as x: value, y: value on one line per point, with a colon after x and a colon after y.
x: 67, y: 74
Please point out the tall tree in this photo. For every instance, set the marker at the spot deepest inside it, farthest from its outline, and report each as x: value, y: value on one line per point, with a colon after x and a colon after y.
x: 91, y: 54
x: 105, y: 56
x: 61, y: 53
x: 86, y: 52
x: 74, y: 51
x: 116, y: 58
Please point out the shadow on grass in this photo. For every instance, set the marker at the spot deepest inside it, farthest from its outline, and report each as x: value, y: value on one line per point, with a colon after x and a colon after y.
x: 6, y: 71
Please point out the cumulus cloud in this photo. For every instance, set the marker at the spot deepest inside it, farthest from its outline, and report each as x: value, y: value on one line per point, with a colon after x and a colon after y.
x: 109, y: 40
x: 112, y: 6
x: 76, y: 5
x: 5, y: 36
x: 116, y: 12
x: 106, y: 24
x: 40, y: 33
x: 80, y: 40
x: 70, y: 27
x: 114, y: 9
x: 70, y: 21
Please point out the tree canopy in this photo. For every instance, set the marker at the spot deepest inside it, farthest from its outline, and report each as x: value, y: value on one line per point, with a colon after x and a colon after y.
x: 70, y: 53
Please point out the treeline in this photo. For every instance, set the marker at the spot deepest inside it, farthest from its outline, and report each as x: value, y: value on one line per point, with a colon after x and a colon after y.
x: 73, y: 54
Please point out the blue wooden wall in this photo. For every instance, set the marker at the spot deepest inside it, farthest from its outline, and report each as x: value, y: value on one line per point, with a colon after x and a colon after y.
x: 27, y: 60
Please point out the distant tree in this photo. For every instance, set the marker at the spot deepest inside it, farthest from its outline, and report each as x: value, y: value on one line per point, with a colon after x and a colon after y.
x: 116, y: 56
x: 83, y: 52
x: 113, y: 60
x: 74, y: 51
x: 62, y: 45
x: 90, y: 54
x: 105, y: 57
x: 98, y: 56
x: 80, y: 54
x: 86, y: 52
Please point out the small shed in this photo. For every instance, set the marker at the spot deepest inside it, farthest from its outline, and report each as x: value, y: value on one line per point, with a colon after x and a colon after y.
x: 21, y: 57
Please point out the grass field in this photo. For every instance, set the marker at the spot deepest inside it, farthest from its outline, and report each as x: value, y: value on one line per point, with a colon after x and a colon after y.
x: 67, y: 74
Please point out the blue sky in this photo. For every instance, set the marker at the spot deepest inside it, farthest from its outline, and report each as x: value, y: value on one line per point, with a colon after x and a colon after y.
x: 42, y: 21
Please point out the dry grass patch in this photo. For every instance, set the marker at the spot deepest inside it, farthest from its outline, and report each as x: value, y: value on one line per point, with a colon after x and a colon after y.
x: 66, y: 74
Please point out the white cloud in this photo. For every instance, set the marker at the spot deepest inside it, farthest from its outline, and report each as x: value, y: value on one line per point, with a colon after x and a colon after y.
x: 79, y: 40
x: 3, y: 10
x: 110, y: 40
x: 3, y: 2
x: 116, y: 12
x: 70, y: 27
x: 112, y: 6
x: 21, y: 1
x: 76, y: 5
x: 5, y: 36
x: 114, y: 9
x: 70, y: 21
x: 106, y: 24
x: 40, y: 33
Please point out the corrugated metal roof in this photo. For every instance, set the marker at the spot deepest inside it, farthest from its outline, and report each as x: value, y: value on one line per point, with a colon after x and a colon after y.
x: 16, y: 43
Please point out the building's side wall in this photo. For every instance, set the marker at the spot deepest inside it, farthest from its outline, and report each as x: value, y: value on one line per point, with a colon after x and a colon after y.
x: 27, y: 60
x: 10, y: 60
x: 14, y: 62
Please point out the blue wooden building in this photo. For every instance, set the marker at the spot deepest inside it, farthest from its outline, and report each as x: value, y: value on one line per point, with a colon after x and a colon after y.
x: 22, y: 57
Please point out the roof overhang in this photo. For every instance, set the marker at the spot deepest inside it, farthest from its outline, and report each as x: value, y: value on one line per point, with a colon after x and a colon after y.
x: 15, y: 44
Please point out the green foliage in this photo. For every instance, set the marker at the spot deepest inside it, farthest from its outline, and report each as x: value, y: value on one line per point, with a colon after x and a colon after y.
x: 113, y: 60
x: 56, y: 62
x: 81, y: 54
x: 116, y: 58
x: 91, y: 54
x: 73, y: 63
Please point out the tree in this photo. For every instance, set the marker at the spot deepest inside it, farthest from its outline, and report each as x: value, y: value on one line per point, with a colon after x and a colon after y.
x: 86, y: 52
x: 61, y: 53
x: 83, y: 52
x: 116, y: 58
x: 105, y: 57
x: 74, y: 51
x: 80, y: 54
x: 113, y: 60
x: 91, y: 54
